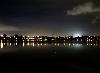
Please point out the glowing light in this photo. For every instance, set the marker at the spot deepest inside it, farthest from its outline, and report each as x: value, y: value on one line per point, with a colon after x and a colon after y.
x: 64, y: 44
x: 23, y: 44
x: 31, y: 38
x: 68, y: 37
x: 69, y: 44
x: 16, y: 38
x: 16, y: 43
x: 4, y: 38
x: 4, y: 43
x: 89, y: 39
x: 33, y: 45
x: 77, y: 35
x: 77, y: 45
x: 28, y: 44
x: 1, y: 35
x: 45, y: 44
x: 53, y: 39
x: 41, y: 44
x: 10, y: 44
x: 55, y: 44
x: 45, y: 39
x: 28, y: 36
x: 38, y: 44
x: 1, y: 44
x: 40, y: 38
x: 58, y: 44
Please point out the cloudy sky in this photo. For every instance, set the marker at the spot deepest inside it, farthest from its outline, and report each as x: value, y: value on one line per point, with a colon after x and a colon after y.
x: 48, y: 17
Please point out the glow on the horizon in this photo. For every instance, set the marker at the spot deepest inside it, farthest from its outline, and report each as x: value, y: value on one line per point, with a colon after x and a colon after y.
x: 77, y: 35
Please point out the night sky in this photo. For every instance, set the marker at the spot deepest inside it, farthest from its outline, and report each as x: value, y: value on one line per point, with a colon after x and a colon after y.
x: 47, y: 17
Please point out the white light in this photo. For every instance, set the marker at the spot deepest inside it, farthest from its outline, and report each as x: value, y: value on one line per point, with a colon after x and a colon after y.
x: 69, y: 44
x: 64, y: 44
x: 89, y: 39
x: 55, y: 44
x: 41, y: 44
x: 33, y: 45
x: 28, y: 36
x: 58, y: 44
x: 77, y: 45
x: 10, y: 44
x: 1, y: 44
x: 77, y: 35
x: 38, y: 44
x: 45, y: 44
x: 1, y: 35
x: 45, y: 39
x: 28, y: 44
x: 23, y: 44
x: 16, y: 43
x: 4, y: 43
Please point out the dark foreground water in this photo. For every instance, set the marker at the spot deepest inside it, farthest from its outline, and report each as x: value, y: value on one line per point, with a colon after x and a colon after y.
x: 50, y: 58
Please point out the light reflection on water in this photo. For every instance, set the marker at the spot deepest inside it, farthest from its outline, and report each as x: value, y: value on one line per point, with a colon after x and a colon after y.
x: 32, y: 44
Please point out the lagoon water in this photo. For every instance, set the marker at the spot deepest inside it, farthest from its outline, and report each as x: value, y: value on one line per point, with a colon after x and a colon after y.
x: 72, y: 57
